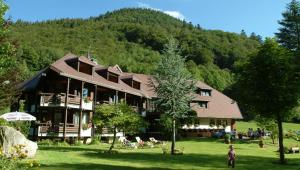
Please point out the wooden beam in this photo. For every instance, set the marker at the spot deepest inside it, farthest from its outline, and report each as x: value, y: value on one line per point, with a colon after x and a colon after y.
x: 125, y: 97
x: 66, y: 108
x: 78, y: 65
x: 95, y: 98
x: 80, y: 116
x: 117, y: 96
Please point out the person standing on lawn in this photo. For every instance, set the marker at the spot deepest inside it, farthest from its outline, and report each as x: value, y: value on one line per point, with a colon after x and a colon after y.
x: 231, y: 157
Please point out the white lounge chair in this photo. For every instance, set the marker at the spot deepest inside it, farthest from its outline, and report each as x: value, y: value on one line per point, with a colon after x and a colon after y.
x: 140, y: 141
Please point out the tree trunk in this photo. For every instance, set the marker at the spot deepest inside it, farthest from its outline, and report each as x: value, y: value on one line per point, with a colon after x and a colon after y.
x: 114, y: 139
x: 173, y: 137
x: 280, y: 138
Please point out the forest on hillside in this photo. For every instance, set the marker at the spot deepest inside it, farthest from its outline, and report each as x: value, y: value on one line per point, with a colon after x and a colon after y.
x: 134, y: 39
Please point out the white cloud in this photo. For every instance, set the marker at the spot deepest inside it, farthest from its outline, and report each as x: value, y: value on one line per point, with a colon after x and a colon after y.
x: 143, y: 5
x: 175, y: 14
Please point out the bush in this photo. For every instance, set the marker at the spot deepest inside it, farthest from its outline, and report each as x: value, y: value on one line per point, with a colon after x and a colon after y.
x: 286, y: 149
x: 33, y: 164
x: 46, y: 142
x: 62, y: 143
x: 3, y: 122
x: 95, y: 141
x: 227, y: 138
x: 11, y: 161
x: 22, y: 126
x: 77, y: 143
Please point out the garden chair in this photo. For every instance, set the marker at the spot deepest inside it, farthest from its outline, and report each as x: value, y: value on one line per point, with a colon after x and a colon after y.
x: 140, y: 141
x: 154, y: 141
x: 127, y: 143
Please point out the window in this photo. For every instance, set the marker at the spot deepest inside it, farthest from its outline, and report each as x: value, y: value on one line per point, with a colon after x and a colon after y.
x: 205, y: 93
x: 113, y: 77
x: 203, y: 104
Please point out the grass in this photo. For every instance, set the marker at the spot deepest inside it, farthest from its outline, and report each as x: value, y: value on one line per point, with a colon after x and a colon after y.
x: 243, y: 126
x: 198, y: 154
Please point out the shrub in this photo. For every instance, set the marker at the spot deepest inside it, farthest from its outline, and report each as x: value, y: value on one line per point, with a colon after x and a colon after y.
x: 85, y: 126
x: 11, y: 161
x: 22, y: 126
x: 46, y: 142
x: 95, y: 141
x: 261, y: 143
x: 77, y: 143
x: 61, y: 143
x: 33, y: 164
x: 227, y: 138
x: 3, y: 122
x: 286, y: 149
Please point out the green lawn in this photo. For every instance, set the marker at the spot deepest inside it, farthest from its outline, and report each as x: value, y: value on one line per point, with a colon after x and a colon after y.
x: 243, y: 126
x: 198, y: 154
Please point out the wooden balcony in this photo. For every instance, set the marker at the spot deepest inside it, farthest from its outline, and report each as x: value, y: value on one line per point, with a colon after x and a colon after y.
x: 57, y: 130
x: 59, y: 99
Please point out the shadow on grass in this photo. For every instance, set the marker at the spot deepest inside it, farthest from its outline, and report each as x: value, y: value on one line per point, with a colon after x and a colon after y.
x: 168, y: 162
x: 70, y: 149
x: 95, y: 166
x: 94, y: 158
x: 220, y: 140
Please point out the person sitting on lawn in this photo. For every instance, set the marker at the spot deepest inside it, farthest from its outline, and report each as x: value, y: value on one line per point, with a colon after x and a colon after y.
x: 231, y: 157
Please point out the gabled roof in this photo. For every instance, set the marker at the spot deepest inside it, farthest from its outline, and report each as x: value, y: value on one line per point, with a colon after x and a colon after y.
x: 62, y: 68
x: 219, y: 105
x: 131, y: 76
x: 110, y: 69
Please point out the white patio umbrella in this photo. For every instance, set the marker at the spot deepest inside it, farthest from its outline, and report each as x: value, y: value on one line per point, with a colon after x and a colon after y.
x: 17, y: 116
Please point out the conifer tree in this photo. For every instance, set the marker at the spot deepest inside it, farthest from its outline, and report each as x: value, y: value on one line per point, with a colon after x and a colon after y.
x: 289, y: 32
x: 174, y: 86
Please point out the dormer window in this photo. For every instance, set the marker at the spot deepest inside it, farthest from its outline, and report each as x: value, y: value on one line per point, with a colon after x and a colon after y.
x: 136, y: 85
x: 132, y: 81
x: 81, y: 65
x: 85, y: 68
x: 113, y: 77
x: 108, y: 75
x: 203, y: 104
x: 204, y: 92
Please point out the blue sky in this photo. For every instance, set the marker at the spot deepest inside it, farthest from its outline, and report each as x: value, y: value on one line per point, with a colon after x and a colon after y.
x: 259, y: 16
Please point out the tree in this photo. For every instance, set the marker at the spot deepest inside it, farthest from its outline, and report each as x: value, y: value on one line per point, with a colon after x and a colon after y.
x: 255, y: 37
x: 174, y: 86
x: 270, y: 81
x: 9, y: 72
x: 289, y: 33
x: 118, y: 117
x: 268, y: 124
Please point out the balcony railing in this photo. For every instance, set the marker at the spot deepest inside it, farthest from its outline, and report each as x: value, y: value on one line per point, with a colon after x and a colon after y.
x: 59, y: 99
x: 57, y: 128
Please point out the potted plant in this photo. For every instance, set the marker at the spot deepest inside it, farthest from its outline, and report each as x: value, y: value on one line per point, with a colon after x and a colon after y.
x: 85, y: 126
x: 240, y: 135
x: 261, y: 143
x: 227, y: 138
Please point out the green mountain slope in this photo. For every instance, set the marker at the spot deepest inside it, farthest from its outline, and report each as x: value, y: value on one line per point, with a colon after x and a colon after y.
x: 134, y: 39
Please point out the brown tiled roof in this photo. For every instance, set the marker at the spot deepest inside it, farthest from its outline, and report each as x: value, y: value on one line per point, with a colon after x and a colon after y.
x: 64, y: 69
x: 110, y: 69
x: 131, y: 76
x: 219, y: 105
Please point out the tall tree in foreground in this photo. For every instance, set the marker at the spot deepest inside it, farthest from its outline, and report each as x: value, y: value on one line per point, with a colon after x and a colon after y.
x: 289, y: 33
x: 271, y: 83
x: 9, y: 72
x: 173, y: 85
x: 118, y: 117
